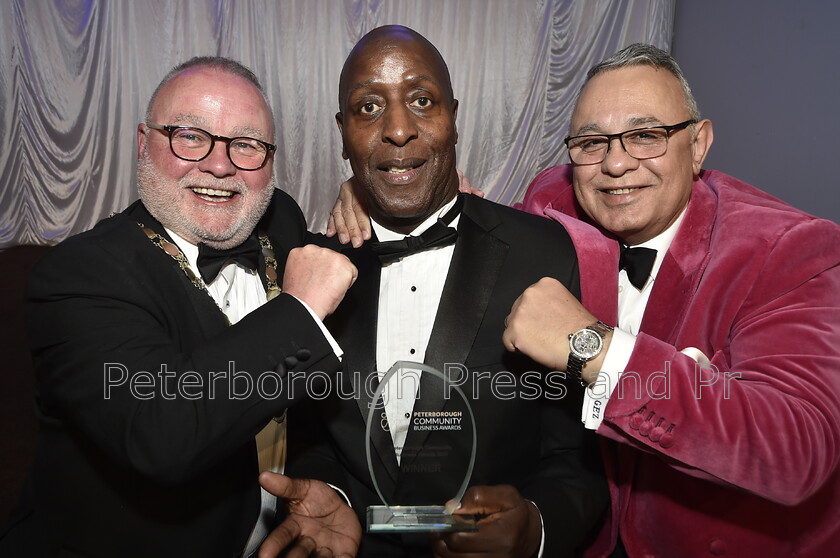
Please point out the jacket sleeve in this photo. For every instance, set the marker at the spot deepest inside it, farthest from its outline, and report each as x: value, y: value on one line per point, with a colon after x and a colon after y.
x: 120, y: 360
x: 568, y: 486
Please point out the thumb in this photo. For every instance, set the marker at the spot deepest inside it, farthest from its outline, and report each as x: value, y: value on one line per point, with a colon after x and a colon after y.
x: 283, y: 486
x: 451, y: 506
x: 481, y: 500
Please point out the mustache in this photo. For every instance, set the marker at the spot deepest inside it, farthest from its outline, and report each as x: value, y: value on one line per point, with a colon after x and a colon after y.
x: 228, y: 184
x: 148, y: 173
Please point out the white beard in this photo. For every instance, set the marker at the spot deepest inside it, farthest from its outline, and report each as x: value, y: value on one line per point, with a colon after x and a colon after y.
x: 162, y: 197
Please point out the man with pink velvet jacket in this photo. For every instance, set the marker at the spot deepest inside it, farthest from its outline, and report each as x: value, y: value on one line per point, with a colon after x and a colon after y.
x: 717, y: 393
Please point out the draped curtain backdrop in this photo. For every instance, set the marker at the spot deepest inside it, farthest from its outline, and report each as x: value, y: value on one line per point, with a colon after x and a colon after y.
x: 75, y: 77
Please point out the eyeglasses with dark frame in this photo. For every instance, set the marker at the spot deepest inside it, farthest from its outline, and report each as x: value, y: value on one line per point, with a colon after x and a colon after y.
x: 639, y: 143
x: 194, y: 144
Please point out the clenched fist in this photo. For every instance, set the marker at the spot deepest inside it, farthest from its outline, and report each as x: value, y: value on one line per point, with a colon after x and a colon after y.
x: 319, y: 277
x: 540, y: 322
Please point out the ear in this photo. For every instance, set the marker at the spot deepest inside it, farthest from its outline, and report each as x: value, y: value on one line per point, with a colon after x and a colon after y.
x: 704, y: 135
x: 141, y: 139
x: 339, y: 121
x: 455, y: 117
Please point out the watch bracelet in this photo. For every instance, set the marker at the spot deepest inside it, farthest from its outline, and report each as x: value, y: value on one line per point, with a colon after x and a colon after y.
x: 601, y: 328
x: 574, y: 366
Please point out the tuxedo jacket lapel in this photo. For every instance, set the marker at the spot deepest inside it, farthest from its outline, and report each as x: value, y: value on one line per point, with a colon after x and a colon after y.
x: 355, y: 324
x: 210, y: 317
x: 476, y: 264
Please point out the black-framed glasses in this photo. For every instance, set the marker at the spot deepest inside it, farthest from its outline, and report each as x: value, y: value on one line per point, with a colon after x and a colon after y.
x: 194, y: 144
x: 639, y: 143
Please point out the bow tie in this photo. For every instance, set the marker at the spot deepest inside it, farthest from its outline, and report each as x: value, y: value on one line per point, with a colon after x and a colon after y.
x: 211, y: 261
x: 439, y: 234
x: 638, y: 262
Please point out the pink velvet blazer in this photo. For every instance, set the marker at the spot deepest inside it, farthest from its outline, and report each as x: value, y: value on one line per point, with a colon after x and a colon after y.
x: 739, y: 457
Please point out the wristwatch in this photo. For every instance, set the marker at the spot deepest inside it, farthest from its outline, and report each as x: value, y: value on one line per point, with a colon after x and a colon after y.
x: 584, y: 345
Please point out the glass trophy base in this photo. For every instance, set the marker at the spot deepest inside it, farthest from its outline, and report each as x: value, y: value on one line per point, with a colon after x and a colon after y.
x: 415, y: 519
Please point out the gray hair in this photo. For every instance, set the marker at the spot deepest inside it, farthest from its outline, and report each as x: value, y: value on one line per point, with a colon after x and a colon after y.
x: 219, y: 63
x: 641, y: 54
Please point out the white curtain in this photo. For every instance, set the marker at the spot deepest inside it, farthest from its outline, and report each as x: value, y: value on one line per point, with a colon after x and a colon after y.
x: 75, y: 77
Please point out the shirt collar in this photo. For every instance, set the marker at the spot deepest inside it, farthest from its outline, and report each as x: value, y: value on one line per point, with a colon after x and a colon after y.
x: 662, y: 242
x: 189, y: 249
x: 384, y: 234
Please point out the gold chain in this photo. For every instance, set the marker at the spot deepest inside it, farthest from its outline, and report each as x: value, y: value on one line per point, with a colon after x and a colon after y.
x: 176, y: 254
x: 270, y: 268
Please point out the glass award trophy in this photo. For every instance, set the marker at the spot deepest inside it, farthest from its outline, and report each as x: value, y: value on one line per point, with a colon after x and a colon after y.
x: 436, y: 458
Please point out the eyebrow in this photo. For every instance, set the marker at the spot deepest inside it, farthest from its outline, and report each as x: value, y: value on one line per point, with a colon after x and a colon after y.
x: 187, y: 119
x: 633, y: 123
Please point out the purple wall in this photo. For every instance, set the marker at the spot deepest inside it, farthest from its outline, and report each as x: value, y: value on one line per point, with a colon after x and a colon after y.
x: 767, y: 72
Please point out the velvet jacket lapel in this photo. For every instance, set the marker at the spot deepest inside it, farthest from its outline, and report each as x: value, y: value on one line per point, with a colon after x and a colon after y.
x: 598, y: 265
x: 682, y: 267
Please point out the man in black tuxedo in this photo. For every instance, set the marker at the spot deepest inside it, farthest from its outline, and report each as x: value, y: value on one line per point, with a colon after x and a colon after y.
x: 156, y: 372
x: 535, y: 485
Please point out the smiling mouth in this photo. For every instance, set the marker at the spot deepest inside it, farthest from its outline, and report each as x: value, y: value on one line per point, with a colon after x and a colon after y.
x: 401, y: 166
x: 399, y: 170
x: 621, y: 191
x: 212, y: 194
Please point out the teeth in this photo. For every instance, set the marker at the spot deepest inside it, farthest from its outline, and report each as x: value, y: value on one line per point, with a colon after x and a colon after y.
x: 398, y: 170
x: 620, y: 191
x: 212, y: 192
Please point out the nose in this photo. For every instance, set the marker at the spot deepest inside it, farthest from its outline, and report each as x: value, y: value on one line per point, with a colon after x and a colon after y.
x: 217, y: 161
x: 617, y: 161
x: 399, y: 126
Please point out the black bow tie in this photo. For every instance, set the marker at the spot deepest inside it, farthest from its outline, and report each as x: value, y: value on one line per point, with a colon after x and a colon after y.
x: 211, y: 261
x: 638, y: 262
x: 439, y: 234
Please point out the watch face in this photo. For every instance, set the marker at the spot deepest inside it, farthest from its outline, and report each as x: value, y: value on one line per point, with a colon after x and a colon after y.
x: 586, y: 343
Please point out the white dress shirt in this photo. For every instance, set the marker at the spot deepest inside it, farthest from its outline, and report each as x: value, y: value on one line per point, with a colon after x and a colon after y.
x: 631, y: 309
x: 409, y: 294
